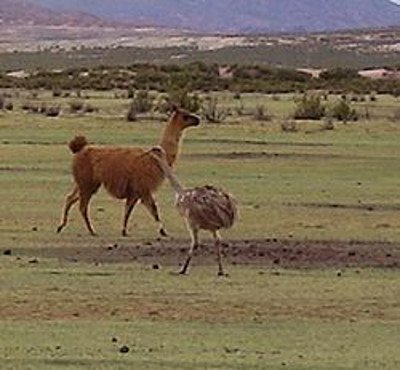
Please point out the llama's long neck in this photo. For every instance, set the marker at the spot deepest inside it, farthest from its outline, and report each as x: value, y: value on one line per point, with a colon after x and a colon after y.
x: 173, y: 180
x: 170, y: 141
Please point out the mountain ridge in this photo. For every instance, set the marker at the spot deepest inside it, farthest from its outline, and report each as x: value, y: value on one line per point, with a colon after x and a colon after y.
x: 248, y: 16
x: 231, y: 16
x: 28, y: 13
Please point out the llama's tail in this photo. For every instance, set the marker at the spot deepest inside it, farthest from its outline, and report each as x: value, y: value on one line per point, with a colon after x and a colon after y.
x: 77, y: 144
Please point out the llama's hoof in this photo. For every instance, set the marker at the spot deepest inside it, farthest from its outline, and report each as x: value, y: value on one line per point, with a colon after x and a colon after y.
x: 163, y: 233
x: 124, y: 234
x: 222, y: 274
x: 182, y: 272
x: 59, y: 229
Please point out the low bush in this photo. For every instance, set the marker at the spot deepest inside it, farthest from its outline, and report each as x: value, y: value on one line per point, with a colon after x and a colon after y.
x: 309, y: 107
x: 342, y: 111
x: 212, y: 111
x: 76, y: 106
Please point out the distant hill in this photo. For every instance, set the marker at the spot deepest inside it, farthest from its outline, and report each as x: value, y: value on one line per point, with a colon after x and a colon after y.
x: 22, y: 12
x: 237, y: 16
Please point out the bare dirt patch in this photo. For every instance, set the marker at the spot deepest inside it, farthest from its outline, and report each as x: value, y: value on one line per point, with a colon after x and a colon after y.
x: 267, y: 252
x: 265, y: 143
x: 358, y: 206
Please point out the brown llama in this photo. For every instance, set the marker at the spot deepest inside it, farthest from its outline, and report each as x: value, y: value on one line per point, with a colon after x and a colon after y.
x: 124, y: 172
x: 203, y: 208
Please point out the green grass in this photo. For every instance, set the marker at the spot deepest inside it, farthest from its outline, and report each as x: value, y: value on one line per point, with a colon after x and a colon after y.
x: 295, y: 345
x: 57, y: 314
x: 353, y: 165
x: 305, y: 319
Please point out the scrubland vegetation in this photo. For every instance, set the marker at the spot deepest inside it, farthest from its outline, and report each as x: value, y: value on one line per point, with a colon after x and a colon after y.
x: 313, y: 261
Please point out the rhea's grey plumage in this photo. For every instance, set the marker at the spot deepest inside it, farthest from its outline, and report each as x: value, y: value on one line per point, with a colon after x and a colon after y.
x: 203, y: 207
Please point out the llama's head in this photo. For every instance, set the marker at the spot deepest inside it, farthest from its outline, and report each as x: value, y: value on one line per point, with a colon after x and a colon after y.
x: 183, y: 119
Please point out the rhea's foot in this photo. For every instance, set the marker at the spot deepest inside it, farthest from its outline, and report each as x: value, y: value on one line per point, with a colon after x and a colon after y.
x: 163, y: 233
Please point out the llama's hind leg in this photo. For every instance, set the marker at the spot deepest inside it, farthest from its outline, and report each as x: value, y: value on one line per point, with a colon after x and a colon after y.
x: 151, y: 206
x: 129, y: 205
x: 83, y: 207
x: 71, y: 199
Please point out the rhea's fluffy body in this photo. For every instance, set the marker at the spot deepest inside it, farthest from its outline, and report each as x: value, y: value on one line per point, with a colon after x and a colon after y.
x: 203, y: 207
x: 125, y: 172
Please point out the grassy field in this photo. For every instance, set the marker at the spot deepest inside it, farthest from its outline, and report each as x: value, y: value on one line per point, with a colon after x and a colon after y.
x: 334, y: 185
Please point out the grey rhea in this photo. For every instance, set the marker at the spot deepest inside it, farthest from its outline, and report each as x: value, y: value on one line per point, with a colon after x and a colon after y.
x: 203, y: 208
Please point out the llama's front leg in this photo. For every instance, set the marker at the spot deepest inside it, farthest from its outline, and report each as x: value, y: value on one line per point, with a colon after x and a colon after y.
x: 193, y: 246
x: 129, y: 205
x: 83, y: 207
x: 151, y: 206
x: 71, y: 199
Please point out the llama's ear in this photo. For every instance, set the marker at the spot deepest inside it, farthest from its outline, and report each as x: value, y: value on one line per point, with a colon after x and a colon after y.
x: 174, y: 107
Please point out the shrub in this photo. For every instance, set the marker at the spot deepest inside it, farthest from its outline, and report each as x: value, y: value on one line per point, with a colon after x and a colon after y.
x: 343, y: 112
x: 289, y: 126
x: 309, y: 107
x: 131, y: 93
x: 43, y: 108
x: 240, y: 108
x: 30, y: 107
x: 328, y: 124
x: 26, y: 106
x: 131, y: 115
x: 76, y: 106
x: 339, y: 74
x: 261, y: 114
x: 185, y: 100
x: 88, y: 108
x: 33, y: 95
x: 211, y: 110
x: 142, y: 102
x: 396, y: 115
x: 9, y: 105
x: 2, y: 101
x: 53, y: 111
x: 57, y: 92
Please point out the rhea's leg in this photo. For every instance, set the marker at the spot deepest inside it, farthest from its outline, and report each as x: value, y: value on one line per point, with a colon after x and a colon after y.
x: 218, y: 243
x: 193, y: 246
x: 151, y: 206
x: 129, y: 205
x: 71, y: 199
x: 83, y: 207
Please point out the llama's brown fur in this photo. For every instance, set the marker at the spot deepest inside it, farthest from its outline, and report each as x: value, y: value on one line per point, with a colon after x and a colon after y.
x: 125, y: 172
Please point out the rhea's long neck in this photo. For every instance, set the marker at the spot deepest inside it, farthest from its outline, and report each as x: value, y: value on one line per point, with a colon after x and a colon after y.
x: 173, y: 180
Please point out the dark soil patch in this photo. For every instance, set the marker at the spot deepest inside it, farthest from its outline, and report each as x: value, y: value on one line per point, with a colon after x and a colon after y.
x: 263, y: 142
x: 30, y: 169
x: 282, y: 253
x: 357, y: 206
x: 268, y: 155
